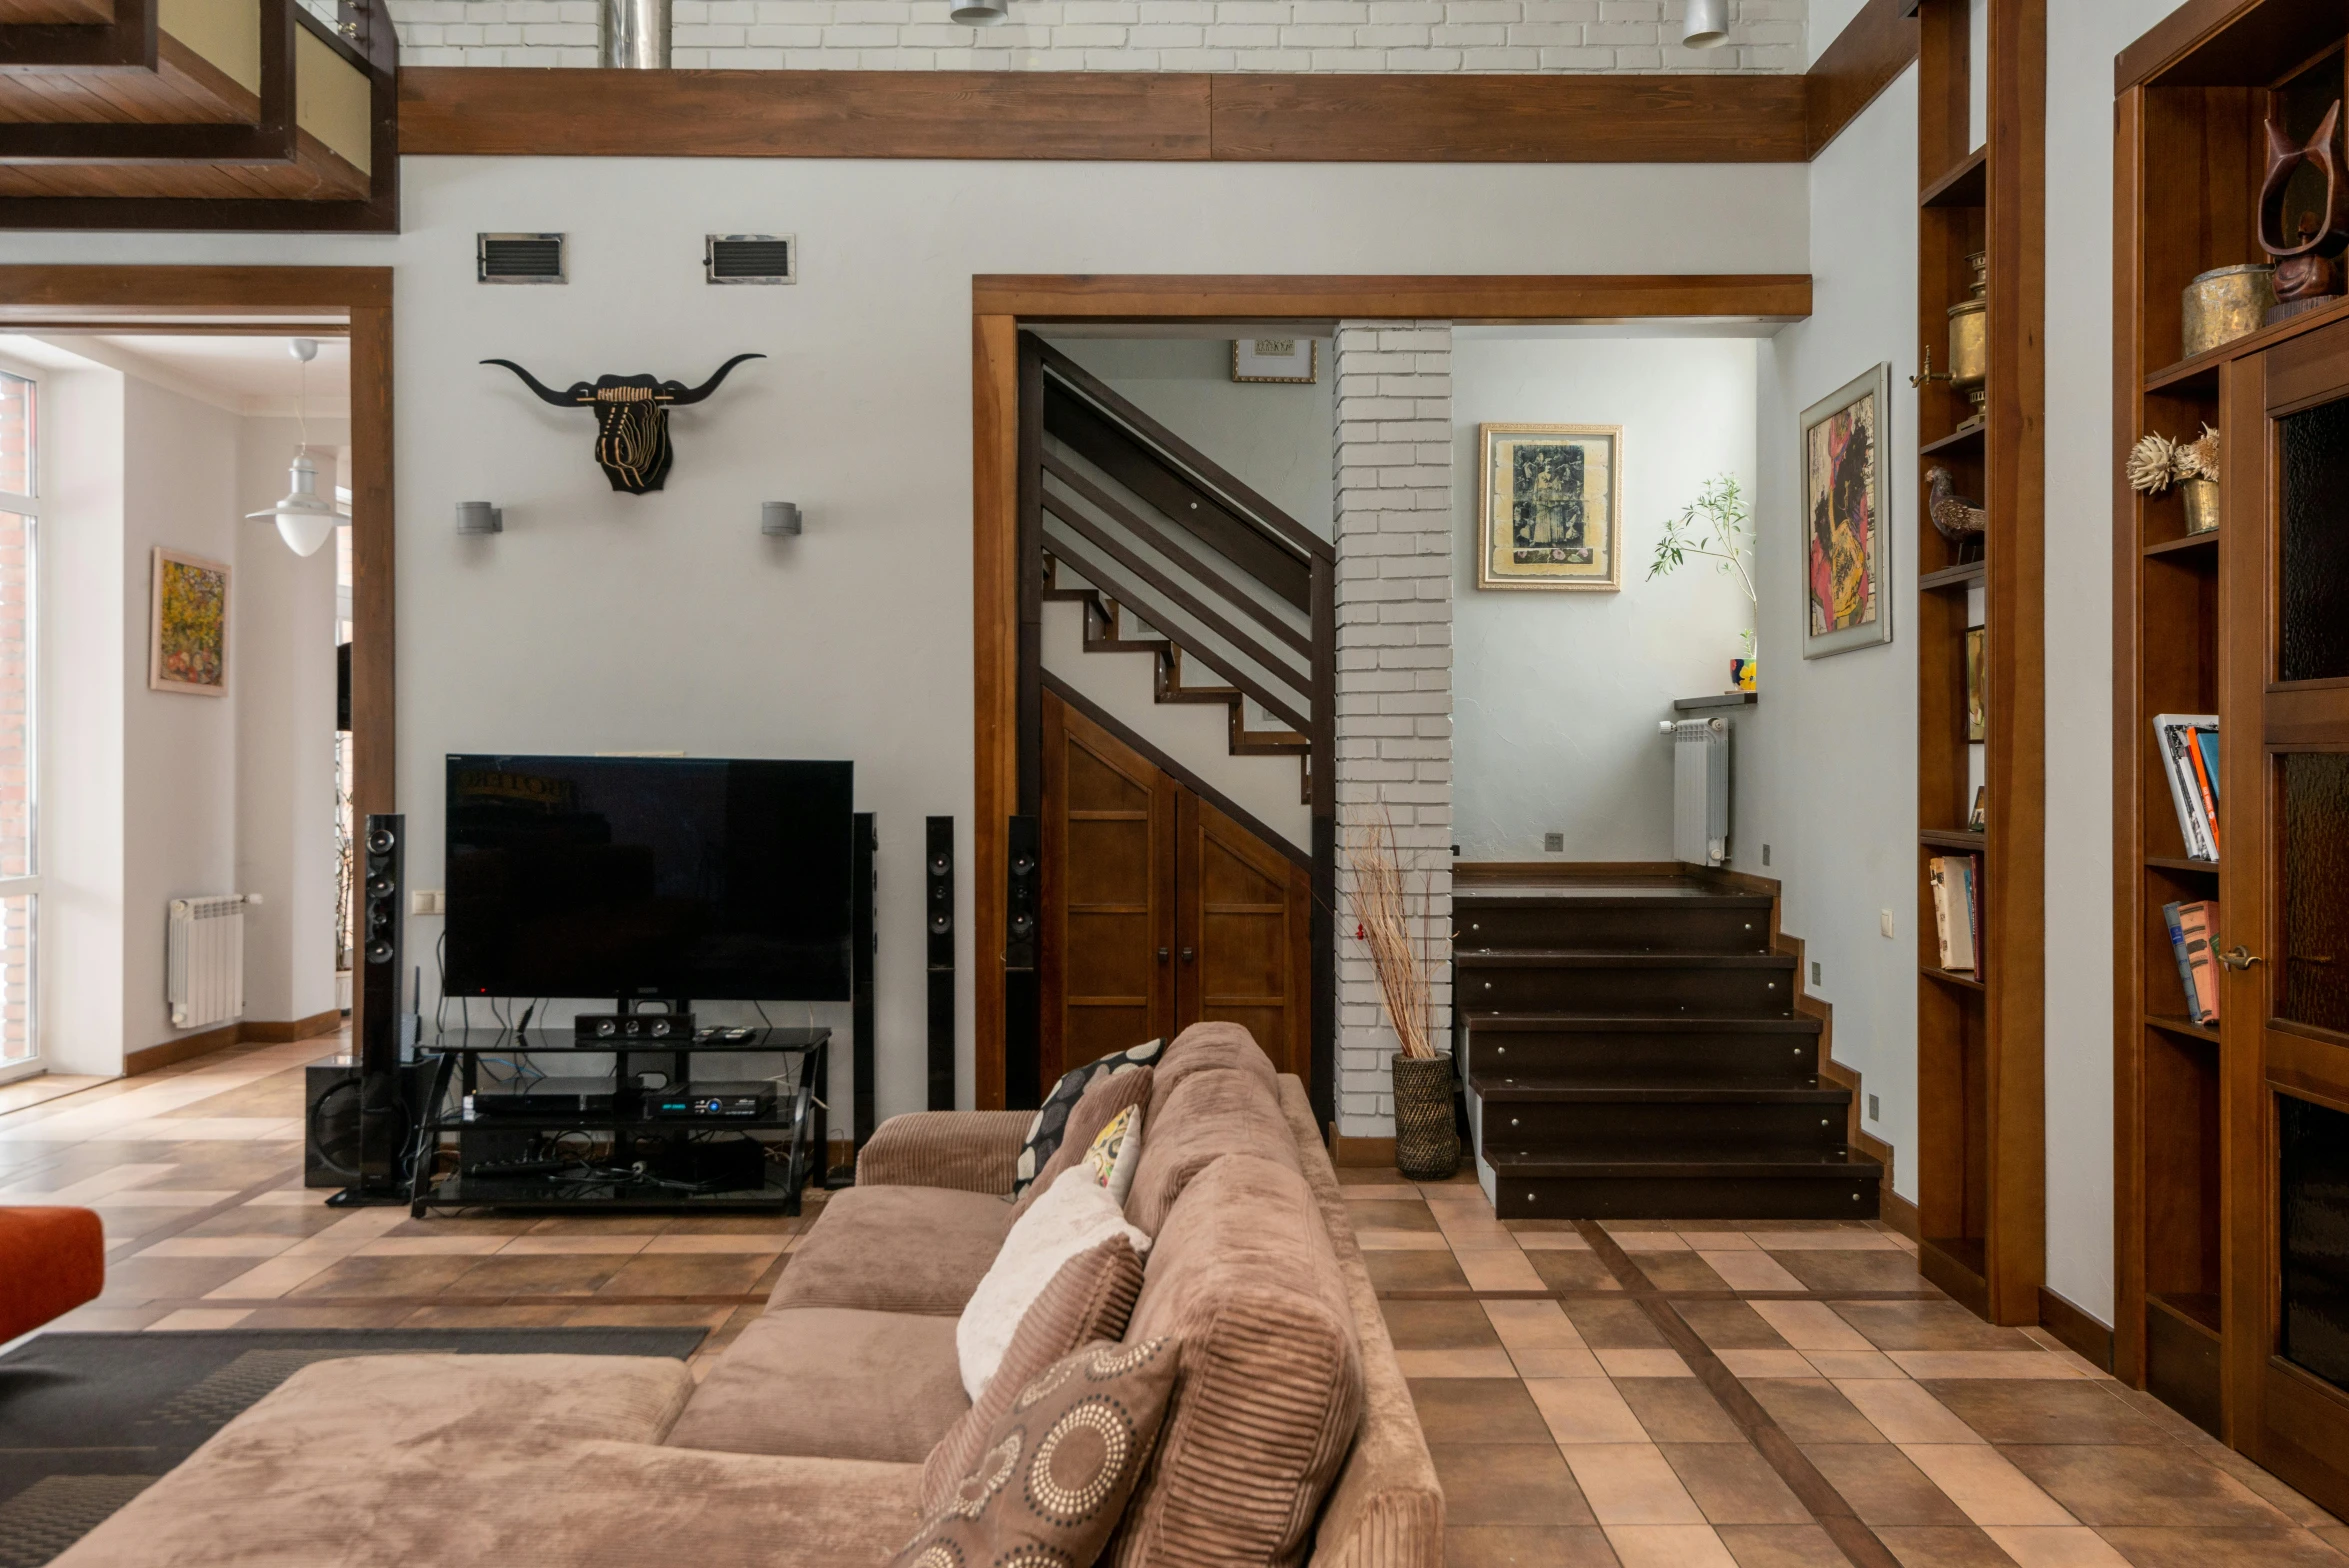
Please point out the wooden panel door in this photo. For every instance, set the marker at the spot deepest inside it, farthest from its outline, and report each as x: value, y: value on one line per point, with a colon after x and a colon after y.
x: 1243, y: 915
x: 2284, y: 843
x: 1106, y: 956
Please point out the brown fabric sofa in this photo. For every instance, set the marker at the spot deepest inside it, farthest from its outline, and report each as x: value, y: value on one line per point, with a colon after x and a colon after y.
x: 1291, y: 1436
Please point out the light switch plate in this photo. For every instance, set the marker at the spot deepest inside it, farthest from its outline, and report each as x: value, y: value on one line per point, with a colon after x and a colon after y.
x: 1884, y: 923
x: 427, y: 901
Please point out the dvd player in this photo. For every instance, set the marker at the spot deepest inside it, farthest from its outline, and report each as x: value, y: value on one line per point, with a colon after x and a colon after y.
x: 712, y: 1102
x: 544, y: 1097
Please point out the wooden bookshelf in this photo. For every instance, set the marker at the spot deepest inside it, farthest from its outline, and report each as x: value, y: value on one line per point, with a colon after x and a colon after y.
x: 1982, y: 1161
x: 2198, y: 1293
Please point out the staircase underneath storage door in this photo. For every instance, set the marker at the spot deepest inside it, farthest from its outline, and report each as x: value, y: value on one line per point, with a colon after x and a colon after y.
x: 1633, y: 1052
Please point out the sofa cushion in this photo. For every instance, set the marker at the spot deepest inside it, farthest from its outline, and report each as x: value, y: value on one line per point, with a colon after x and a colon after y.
x: 1076, y: 1216
x: 1102, y: 1103
x: 830, y: 1381
x: 1046, y: 1132
x: 1209, y: 1115
x: 51, y: 1261
x: 1269, y: 1394
x: 1057, y: 1465
x: 895, y: 1249
x: 1212, y: 1047
x: 1089, y: 1299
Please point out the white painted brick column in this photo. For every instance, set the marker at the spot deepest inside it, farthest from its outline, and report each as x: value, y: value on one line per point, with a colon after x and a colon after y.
x: 1394, y: 678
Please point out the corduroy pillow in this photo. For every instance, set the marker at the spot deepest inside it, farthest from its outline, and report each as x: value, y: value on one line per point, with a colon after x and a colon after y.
x: 1108, y: 1095
x: 1057, y: 1467
x: 1052, y: 1117
x: 1089, y: 1299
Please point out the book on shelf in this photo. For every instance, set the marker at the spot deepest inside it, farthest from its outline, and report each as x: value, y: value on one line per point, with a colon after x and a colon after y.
x: 1974, y: 904
x: 2189, y: 746
x: 1956, y: 919
x: 2197, y: 932
x: 2177, y: 931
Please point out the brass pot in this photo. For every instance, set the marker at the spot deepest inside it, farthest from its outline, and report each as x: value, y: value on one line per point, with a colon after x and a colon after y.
x: 2202, y: 504
x: 1969, y: 343
x: 2226, y: 303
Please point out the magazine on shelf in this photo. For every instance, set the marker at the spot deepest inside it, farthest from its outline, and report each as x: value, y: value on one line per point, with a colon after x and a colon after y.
x: 2189, y: 747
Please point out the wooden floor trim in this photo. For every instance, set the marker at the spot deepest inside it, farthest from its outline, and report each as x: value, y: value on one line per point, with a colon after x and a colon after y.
x: 2081, y: 1332
x: 245, y: 1032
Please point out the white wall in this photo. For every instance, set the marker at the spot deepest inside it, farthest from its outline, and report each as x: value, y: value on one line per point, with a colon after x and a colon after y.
x: 1557, y: 695
x: 285, y: 685
x: 1273, y: 437
x: 179, y: 751
x: 1827, y: 766
x: 602, y: 621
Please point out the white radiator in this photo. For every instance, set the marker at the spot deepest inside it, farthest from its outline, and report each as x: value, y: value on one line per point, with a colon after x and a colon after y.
x: 204, y: 959
x: 1700, y: 790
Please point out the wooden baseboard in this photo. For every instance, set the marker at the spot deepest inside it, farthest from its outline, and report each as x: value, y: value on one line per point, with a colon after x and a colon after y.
x: 1519, y: 873
x: 278, y: 1032
x: 1895, y: 1210
x: 249, y: 1031
x: 1360, y: 1153
x: 2079, y: 1331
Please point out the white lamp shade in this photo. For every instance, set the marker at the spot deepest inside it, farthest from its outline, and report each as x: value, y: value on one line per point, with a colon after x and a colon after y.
x: 1706, y: 25
x: 979, y: 11
x: 305, y: 520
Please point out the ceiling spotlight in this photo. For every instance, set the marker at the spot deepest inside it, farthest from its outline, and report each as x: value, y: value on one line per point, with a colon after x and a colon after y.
x: 982, y: 12
x: 1707, y: 24
x: 305, y: 519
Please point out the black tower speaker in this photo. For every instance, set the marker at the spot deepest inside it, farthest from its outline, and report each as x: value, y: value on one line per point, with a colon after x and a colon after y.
x: 1022, y: 999
x: 938, y: 915
x: 371, y: 1147
x: 866, y: 936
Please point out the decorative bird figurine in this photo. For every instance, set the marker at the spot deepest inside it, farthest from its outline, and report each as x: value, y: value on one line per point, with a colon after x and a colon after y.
x: 1955, y: 517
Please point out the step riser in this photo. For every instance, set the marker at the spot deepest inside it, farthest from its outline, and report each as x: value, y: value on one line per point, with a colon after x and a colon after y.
x: 1671, y: 928
x: 1702, y: 1058
x: 1685, y: 1198
x: 1694, y: 1131
x: 1655, y: 993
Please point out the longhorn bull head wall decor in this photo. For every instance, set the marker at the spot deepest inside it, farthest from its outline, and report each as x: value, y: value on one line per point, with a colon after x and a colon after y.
x: 631, y: 418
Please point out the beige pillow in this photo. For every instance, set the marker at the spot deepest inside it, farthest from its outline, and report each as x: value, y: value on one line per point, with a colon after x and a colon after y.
x: 1089, y: 1299
x: 1052, y: 1479
x: 1075, y: 1216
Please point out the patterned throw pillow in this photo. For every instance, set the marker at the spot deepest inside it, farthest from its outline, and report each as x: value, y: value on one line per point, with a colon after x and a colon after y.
x: 1052, y: 1479
x: 1044, y: 1133
x: 1112, y: 1156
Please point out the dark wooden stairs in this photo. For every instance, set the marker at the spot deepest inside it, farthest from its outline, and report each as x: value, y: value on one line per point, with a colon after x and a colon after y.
x: 1633, y: 1051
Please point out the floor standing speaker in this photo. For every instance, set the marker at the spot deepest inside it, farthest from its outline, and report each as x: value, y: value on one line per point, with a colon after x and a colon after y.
x: 372, y: 1150
x: 938, y: 894
x: 1022, y: 1000
x: 865, y: 929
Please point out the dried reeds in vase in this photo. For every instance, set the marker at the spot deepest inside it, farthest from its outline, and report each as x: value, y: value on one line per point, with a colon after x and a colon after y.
x: 1381, y: 899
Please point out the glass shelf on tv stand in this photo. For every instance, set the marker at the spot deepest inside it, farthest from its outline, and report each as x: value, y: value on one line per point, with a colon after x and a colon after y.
x: 798, y: 1110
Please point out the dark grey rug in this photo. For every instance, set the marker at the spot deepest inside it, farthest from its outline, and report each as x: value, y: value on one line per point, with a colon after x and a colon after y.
x: 88, y: 1420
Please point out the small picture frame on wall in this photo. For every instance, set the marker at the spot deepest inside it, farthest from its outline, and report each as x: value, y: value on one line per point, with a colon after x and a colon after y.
x: 1847, y: 523
x: 188, y: 643
x: 1294, y: 361
x: 1977, y: 714
x: 1978, y: 819
x: 1549, y: 507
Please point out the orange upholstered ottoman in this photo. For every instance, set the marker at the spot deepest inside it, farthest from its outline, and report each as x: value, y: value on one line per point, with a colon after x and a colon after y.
x: 51, y: 1261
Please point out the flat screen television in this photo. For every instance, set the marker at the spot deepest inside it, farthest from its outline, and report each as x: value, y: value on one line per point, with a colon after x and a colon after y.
x: 699, y: 878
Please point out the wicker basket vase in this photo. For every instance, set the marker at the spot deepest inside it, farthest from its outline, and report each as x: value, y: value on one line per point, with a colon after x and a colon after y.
x: 1427, y: 1140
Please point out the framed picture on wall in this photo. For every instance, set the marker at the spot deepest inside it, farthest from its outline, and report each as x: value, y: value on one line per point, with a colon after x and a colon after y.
x: 1847, y: 533
x: 188, y: 650
x: 1293, y: 360
x: 1549, y: 506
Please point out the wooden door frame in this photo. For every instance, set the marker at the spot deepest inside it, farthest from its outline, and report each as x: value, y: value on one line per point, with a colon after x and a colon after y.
x: 1001, y: 305
x: 43, y: 297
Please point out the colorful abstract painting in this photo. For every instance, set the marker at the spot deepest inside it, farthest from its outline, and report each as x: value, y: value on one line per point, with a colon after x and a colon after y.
x: 1846, y: 537
x: 190, y: 650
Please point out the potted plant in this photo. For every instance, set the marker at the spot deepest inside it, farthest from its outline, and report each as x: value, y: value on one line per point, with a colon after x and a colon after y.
x: 1427, y: 1140
x: 1716, y: 526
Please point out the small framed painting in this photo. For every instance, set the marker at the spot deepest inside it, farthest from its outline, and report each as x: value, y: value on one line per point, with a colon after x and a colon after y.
x: 1549, y: 505
x: 1977, y: 715
x: 189, y: 650
x: 1293, y: 360
x: 1847, y: 533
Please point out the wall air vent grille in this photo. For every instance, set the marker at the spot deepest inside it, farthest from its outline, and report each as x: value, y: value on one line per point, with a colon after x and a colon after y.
x: 520, y: 258
x: 751, y: 258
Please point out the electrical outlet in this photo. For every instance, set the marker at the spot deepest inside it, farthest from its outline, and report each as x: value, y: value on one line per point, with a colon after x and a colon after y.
x: 1886, y: 924
x: 427, y: 901
x: 1553, y: 843
x: 1875, y: 1111
x: 1765, y: 854
x: 1815, y: 972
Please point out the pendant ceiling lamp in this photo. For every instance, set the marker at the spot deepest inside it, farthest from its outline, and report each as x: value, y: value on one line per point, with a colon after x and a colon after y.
x: 305, y: 519
x: 1706, y: 25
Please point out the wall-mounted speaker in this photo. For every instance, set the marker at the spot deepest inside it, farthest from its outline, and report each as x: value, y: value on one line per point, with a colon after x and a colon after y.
x: 938, y: 917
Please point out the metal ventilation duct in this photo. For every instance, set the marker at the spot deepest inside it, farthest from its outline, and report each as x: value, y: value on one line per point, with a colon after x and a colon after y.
x: 750, y: 258
x: 635, y: 35
x: 520, y: 258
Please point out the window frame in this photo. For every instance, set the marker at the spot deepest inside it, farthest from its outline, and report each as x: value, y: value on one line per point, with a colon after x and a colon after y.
x: 28, y: 506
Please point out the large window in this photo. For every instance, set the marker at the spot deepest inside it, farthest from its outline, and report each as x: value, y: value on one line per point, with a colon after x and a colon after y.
x: 20, y: 884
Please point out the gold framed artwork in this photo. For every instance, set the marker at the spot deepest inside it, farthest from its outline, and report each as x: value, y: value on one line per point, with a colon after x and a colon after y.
x: 1549, y: 506
x: 1847, y: 526
x: 1293, y: 361
x: 187, y: 649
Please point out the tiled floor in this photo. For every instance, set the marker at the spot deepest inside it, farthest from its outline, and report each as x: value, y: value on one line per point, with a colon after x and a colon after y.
x: 196, y: 1171
x: 1685, y: 1396
x: 1777, y: 1394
